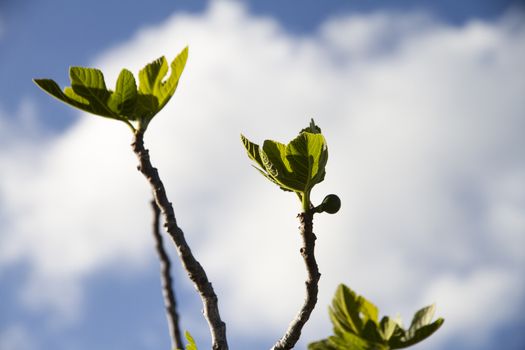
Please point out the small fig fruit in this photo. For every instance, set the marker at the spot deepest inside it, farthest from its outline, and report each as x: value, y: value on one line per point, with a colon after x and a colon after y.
x: 331, y: 204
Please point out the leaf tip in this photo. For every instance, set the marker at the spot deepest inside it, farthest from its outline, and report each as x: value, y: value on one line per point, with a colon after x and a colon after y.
x: 182, y: 57
x: 39, y: 81
x: 312, y: 128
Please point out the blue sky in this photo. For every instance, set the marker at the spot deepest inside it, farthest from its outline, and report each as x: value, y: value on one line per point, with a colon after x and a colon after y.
x: 45, y: 36
x: 421, y: 103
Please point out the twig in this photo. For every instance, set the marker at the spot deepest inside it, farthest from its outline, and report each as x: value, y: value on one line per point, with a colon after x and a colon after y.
x: 293, y: 333
x: 194, y: 269
x: 167, y: 284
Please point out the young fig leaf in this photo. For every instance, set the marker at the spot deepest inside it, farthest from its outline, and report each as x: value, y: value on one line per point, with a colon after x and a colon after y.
x: 356, y: 326
x: 124, y: 98
x: 297, y: 166
x: 126, y: 103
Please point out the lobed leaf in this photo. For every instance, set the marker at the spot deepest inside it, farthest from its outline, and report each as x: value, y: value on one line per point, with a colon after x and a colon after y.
x: 88, y: 83
x: 297, y: 166
x: 89, y: 93
x: 356, y: 326
x: 152, y: 75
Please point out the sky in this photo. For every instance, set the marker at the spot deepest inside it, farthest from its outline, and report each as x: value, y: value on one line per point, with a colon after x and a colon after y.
x: 421, y: 103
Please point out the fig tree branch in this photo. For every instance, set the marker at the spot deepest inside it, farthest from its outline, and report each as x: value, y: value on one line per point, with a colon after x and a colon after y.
x: 168, y: 293
x: 194, y: 269
x: 293, y: 333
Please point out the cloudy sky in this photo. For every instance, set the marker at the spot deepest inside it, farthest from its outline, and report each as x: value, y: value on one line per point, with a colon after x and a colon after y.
x: 422, y: 106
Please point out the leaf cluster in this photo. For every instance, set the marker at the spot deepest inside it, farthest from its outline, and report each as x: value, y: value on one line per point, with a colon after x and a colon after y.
x: 127, y: 103
x: 356, y: 326
x: 297, y: 166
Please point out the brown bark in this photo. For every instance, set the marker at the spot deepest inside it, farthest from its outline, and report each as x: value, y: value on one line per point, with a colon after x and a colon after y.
x: 194, y: 269
x: 293, y: 333
x: 170, y: 302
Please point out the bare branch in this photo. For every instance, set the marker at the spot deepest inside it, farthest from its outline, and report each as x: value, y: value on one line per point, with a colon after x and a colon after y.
x: 293, y: 333
x: 167, y: 284
x: 194, y: 269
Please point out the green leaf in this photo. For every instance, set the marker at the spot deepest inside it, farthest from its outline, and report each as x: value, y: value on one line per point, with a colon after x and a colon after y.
x: 151, y: 81
x: 387, y: 327
x: 344, y: 312
x: 307, y: 155
x: 256, y: 154
x: 371, y: 332
x: 421, y: 328
x: 253, y: 151
x: 191, y: 342
x: 346, y: 341
x: 89, y: 93
x: 356, y: 327
x: 297, y: 166
x: 67, y: 96
x: 123, y: 100
x: 89, y: 83
x: 352, y: 311
x: 276, y: 165
x: 321, y: 345
x: 421, y: 318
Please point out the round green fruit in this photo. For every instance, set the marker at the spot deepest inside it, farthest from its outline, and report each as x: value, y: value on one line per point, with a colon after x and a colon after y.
x: 331, y: 204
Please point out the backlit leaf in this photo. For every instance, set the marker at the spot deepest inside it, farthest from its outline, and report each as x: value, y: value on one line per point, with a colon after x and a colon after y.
x: 67, y: 96
x: 127, y: 103
x: 151, y: 79
x: 387, y: 327
x: 297, y: 166
x: 356, y: 327
x: 122, y: 101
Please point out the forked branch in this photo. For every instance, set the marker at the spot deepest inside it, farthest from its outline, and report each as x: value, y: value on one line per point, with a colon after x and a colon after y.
x: 194, y: 269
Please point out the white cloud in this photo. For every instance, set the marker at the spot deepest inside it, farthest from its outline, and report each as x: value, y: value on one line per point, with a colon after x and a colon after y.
x: 490, y: 292
x: 60, y: 213
x: 426, y: 153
